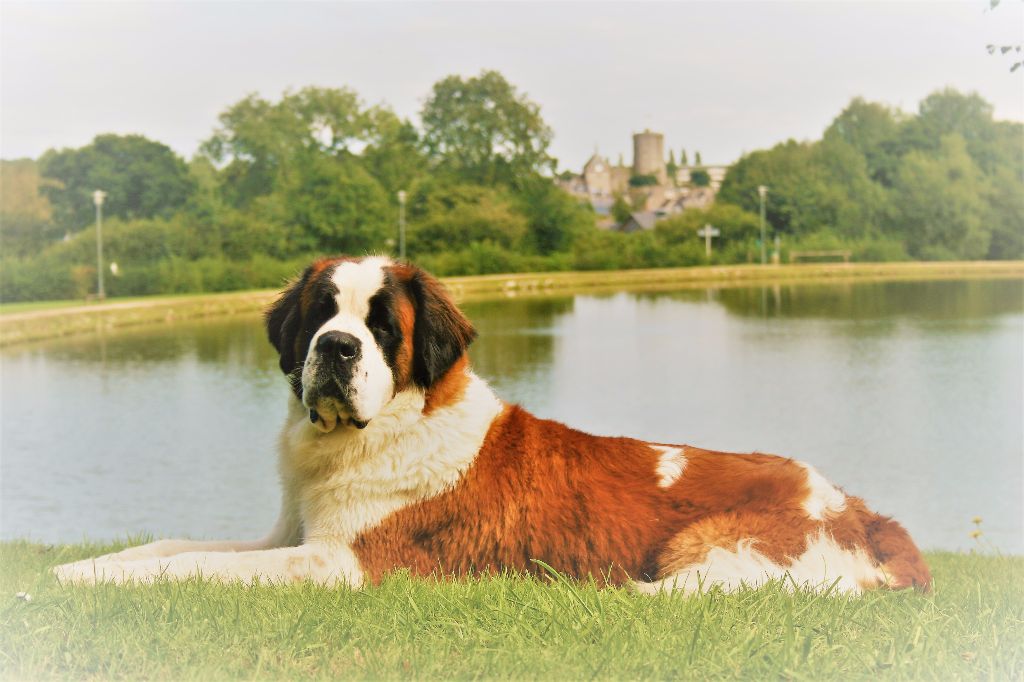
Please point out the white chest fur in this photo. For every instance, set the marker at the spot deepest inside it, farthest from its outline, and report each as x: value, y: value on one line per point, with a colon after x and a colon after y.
x: 348, y: 481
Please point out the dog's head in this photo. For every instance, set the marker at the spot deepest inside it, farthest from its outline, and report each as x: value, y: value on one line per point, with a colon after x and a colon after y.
x: 354, y: 332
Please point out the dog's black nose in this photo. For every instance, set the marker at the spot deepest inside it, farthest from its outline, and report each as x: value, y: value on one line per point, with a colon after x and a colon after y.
x: 338, y: 343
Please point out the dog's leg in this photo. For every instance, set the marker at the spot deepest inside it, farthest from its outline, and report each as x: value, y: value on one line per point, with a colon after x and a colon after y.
x: 316, y: 562
x: 287, y: 532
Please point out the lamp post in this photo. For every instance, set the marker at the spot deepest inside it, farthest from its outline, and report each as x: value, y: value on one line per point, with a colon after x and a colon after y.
x: 762, y: 192
x: 401, y: 224
x: 97, y: 198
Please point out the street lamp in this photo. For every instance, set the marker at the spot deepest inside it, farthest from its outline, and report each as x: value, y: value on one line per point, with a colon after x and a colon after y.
x: 762, y: 191
x: 97, y: 198
x: 401, y: 223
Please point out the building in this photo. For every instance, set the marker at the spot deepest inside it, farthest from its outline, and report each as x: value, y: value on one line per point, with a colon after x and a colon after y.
x: 601, y: 182
x: 649, y: 156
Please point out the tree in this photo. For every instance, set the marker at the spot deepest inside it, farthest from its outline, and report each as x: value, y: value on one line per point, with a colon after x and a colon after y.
x: 142, y: 179
x: 449, y: 217
x: 683, y: 160
x: 394, y: 157
x: 481, y: 129
x: 643, y: 180
x: 785, y: 169
x: 700, y: 178
x: 338, y: 206
x: 671, y: 168
x: 621, y: 210
x: 696, y: 159
x: 1016, y: 52
x: 735, y: 224
x: 26, y: 217
x: 264, y: 144
x: 847, y: 200
x: 812, y: 187
x: 1005, y: 215
x: 940, y: 207
x: 948, y: 112
x: 554, y: 217
x: 873, y: 130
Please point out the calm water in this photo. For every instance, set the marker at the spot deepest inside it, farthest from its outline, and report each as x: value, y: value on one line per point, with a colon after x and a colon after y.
x: 909, y: 394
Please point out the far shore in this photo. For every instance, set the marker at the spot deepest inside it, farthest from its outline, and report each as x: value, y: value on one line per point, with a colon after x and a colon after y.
x: 29, y: 322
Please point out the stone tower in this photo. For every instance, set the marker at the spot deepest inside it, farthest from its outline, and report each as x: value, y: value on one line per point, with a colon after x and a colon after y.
x: 649, y: 155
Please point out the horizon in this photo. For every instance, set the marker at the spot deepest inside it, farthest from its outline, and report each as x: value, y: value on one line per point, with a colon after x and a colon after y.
x: 808, y: 61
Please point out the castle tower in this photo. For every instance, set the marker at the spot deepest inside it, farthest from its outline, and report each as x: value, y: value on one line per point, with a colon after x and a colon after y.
x: 649, y: 155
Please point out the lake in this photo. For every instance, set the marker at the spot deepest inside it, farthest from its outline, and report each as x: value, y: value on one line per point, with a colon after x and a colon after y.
x: 908, y: 394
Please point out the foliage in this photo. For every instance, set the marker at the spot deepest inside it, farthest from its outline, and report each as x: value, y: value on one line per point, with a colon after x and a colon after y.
x: 482, y: 130
x: 735, y: 224
x: 643, y: 180
x: 317, y: 171
x: 700, y: 178
x: 671, y: 167
x: 872, y: 130
x: 445, y: 217
x: 621, y: 209
x: 946, y: 182
x: 555, y: 219
x: 940, y: 210
x: 1016, y: 52
x: 265, y: 144
x: 26, y: 216
x: 337, y: 206
x: 142, y: 179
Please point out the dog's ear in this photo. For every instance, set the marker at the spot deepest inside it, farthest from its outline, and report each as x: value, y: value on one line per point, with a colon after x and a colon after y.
x: 441, y: 333
x: 284, y: 322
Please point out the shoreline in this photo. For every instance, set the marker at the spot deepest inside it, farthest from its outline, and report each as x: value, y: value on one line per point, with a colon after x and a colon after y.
x: 55, y: 320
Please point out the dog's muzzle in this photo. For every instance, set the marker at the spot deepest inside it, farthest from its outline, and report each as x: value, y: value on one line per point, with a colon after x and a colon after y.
x: 329, y: 395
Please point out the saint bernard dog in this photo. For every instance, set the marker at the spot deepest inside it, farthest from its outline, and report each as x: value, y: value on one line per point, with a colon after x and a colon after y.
x: 395, y: 455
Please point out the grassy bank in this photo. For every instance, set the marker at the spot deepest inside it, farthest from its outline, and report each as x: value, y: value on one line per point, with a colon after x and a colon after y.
x: 506, y: 627
x: 25, y: 322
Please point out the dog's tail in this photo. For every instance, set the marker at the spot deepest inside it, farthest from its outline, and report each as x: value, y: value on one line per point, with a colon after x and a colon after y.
x: 896, y: 553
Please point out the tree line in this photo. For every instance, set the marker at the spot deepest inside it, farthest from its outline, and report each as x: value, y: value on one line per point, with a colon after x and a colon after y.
x: 319, y: 170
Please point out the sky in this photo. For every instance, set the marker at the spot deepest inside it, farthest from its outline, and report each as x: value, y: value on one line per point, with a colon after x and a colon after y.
x: 715, y: 77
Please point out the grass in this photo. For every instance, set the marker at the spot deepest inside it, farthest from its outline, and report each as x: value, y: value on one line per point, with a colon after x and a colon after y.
x: 504, y: 627
x: 38, y: 321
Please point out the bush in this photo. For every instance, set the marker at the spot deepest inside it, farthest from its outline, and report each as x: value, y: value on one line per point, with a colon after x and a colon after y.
x: 35, y: 279
x: 45, y: 278
x: 700, y: 178
x: 643, y: 181
x: 488, y: 258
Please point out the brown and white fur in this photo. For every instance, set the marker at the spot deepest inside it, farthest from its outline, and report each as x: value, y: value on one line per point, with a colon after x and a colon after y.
x: 394, y: 454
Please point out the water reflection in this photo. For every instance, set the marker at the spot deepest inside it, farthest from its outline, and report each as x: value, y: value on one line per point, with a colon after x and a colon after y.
x: 237, y: 342
x: 516, y: 342
x: 936, y: 300
x: 909, y: 394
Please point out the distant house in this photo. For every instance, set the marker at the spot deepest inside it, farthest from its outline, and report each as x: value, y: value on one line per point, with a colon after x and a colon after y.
x: 641, y: 220
x: 686, y: 198
x: 600, y: 182
x: 664, y: 203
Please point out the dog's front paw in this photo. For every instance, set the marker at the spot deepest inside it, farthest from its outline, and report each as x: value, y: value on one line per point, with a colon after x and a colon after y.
x: 150, y: 550
x: 94, y: 571
x: 83, y: 572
